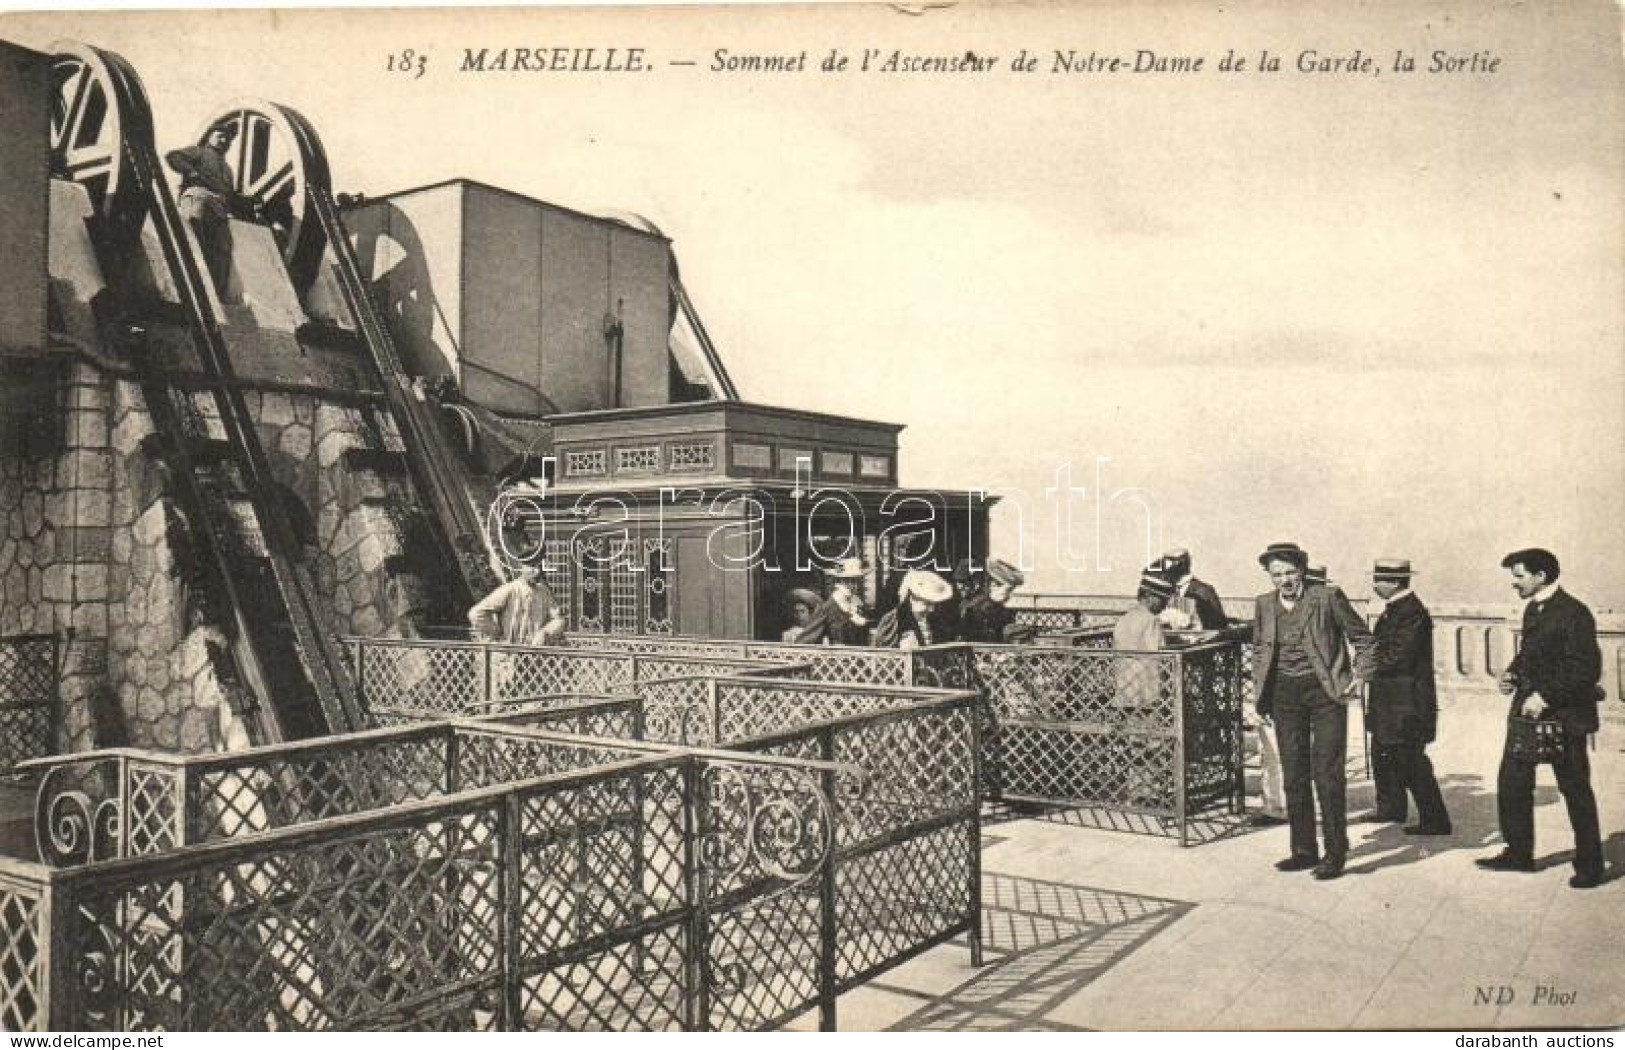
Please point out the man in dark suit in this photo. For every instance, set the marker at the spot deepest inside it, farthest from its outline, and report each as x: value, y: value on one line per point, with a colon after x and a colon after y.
x: 1404, y: 704
x: 1304, y: 680
x: 1554, y: 677
x: 1198, y: 595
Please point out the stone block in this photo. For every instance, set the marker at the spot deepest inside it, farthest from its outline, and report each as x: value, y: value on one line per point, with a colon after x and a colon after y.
x: 195, y: 729
x: 91, y: 395
x: 367, y: 622
x: 83, y: 543
x: 333, y: 445
x: 58, y: 583
x: 90, y: 618
x: 91, y: 583
x: 276, y: 409
x: 85, y: 469
x: 149, y: 705
x: 87, y: 429
x: 150, y: 526
x: 85, y: 656
x: 33, y: 513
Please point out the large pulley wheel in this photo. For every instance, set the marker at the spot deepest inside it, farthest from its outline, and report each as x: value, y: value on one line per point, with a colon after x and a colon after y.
x: 99, y: 112
x: 277, y: 162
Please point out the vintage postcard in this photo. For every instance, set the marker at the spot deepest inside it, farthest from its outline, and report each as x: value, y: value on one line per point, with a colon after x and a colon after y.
x: 933, y: 516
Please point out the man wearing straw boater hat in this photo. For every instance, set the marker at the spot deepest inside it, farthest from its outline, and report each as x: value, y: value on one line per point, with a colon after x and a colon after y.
x: 842, y: 618
x: 914, y: 623
x: 802, y: 606
x: 1554, y: 678
x: 1304, y: 679
x: 1404, y: 704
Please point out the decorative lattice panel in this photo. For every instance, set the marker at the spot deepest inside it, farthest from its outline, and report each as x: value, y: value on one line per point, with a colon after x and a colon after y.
x: 421, y: 676
x: 259, y: 792
x: 519, y: 673
x: 22, y: 938
x: 485, y: 759
x: 29, y: 710
x: 762, y: 961
x: 891, y: 900
x: 1035, y: 684
x: 357, y: 927
x: 678, y: 711
x: 1215, y: 682
x: 696, y: 456
x: 915, y: 767
x: 155, y: 809
x: 635, y: 986
x: 841, y: 664
x: 659, y: 584
x: 754, y: 708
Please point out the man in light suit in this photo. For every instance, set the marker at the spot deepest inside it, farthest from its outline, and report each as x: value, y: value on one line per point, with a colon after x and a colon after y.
x: 1304, y: 680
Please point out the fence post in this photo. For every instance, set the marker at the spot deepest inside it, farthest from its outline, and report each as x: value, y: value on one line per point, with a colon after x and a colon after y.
x: 357, y: 667
x: 486, y: 689
x: 973, y: 714
x: 1238, y: 728
x: 696, y: 974
x: 828, y: 927
x: 513, y: 825
x: 1179, y: 747
x: 452, y: 742
x: 58, y: 961
x: 713, y: 705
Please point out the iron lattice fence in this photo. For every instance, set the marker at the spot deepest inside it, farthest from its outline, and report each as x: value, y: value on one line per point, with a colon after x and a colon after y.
x: 1077, y: 724
x: 907, y: 863
x: 405, y: 679
x: 1156, y: 733
x: 128, y: 803
x: 30, y: 707
x: 632, y: 887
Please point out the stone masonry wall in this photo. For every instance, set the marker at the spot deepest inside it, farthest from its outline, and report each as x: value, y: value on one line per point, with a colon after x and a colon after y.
x: 91, y: 540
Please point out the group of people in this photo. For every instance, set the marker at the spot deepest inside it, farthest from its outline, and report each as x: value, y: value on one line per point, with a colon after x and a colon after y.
x: 1313, y: 657
x: 916, y: 608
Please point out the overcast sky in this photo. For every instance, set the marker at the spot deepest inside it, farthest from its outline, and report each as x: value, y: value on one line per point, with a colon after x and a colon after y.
x: 1378, y: 314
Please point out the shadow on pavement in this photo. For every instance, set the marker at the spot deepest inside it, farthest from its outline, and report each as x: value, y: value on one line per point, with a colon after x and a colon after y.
x: 1470, y: 798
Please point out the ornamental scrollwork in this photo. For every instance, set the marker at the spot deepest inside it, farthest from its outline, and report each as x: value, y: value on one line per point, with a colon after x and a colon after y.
x: 78, y: 813
x: 771, y: 822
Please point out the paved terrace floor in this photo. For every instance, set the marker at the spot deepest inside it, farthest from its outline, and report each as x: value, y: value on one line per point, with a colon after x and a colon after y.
x: 1093, y: 929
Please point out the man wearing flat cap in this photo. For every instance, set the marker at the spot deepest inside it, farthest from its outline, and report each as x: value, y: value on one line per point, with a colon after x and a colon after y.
x: 914, y: 624
x: 1304, y: 679
x: 208, y: 197
x: 1195, y: 598
x: 1555, y: 677
x: 987, y: 615
x: 1404, y: 704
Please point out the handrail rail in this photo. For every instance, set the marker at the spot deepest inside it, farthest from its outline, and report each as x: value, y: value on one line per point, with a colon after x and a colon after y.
x: 458, y: 532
